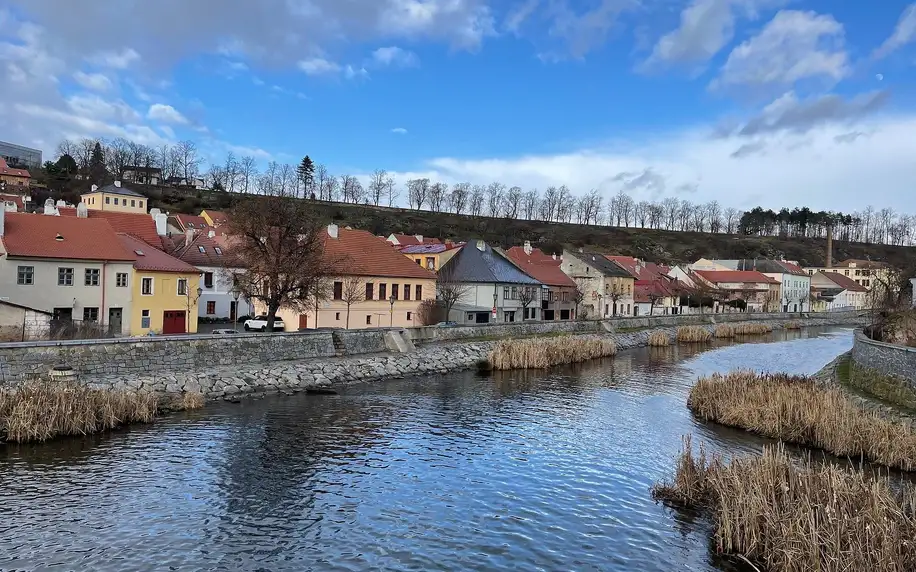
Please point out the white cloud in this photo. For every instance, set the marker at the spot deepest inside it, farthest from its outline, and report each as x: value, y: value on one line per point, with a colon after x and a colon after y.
x: 95, y: 107
x: 318, y: 66
x: 117, y: 59
x: 395, y: 56
x: 355, y: 73
x: 244, y: 151
x: 518, y: 16
x: 93, y: 81
x: 815, y: 169
x: 904, y: 33
x: 166, y: 114
x: 792, y: 47
x: 399, y: 131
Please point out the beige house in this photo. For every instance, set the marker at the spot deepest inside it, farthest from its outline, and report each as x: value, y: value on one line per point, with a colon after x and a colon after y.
x: 609, y: 289
x: 116, y: 198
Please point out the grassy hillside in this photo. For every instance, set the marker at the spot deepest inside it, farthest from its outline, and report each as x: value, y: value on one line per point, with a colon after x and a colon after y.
x: 648, y: 244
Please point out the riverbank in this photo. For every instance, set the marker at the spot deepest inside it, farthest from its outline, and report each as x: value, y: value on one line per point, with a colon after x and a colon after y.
x: 234, y: 382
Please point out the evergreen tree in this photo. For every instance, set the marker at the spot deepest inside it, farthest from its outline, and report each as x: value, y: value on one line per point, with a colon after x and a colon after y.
x: 66, y: 164
x: 306, y: 173
x: 97, y: 164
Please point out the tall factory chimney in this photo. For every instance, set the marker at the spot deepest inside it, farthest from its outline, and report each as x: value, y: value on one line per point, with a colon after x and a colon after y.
x: 829, y: 263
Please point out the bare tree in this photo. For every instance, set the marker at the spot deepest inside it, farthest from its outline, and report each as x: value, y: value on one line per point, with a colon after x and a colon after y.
x: 550, y: 204
x: 350, y: 189
x: 513, y: 202
x: 671, y: 207
x: 378, y: 185
x: 495, y: 198
x: 352, y: 291
x: 530, y: 204
x: 417, y: 191
x: 117, y: 155
x: 216, y: 178
x: 392, y: 190
x: 188, y: 159
x: 287, y: 180
x: 579, y: 295
x: 477, y: 197
x: 714, y: 216
x: 331, y: 188
x: 732, y: 216
x: 321, y: 181
x: 458, y: 198
x: 448, y: 290
x: 83, y: 154
x: 248, y: 172
x: 280, y: 244
x: 437, y: 196
x: 527, y: 296
x: 231, y: 168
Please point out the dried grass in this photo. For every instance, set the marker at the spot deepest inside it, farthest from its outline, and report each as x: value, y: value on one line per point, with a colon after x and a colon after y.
x: 659, y: 339
x: 794, y: 409
x: 789, y: 518
x: 752, y: 329
x: 42, y: 410
x: 724, y: 331
x: 693, y: 334
x: 793, y: 325
x: 540, y: 353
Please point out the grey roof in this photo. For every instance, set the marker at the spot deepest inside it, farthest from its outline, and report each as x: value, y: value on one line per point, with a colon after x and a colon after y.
x: 602, y: 264
x: 488, y: 266
x: 760, y: 265
x: 122, y: 190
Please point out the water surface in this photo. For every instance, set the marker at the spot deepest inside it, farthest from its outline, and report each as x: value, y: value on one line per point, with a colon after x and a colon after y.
x: 515, y: 471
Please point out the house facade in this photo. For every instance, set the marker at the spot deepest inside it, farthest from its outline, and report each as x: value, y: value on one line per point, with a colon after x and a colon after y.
x: 655, y: 293
x: 141, y: 175
x: 794, y: 282
x: 834, y: 291
x: 12, y: 179
x: 488, y: 287
x: 867, y: 273
x: 758, y: 292
x: 430, y: 256
x: 73, y: 268
x: 607, y: 287
x: 114, y: 197
x: 558, y: 293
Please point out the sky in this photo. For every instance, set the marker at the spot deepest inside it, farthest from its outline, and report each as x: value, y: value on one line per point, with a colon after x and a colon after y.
x: 747, y: 102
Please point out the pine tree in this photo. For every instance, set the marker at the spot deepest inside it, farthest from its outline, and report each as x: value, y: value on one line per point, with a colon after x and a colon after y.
x: 306, y: 172
x: 97, y: 164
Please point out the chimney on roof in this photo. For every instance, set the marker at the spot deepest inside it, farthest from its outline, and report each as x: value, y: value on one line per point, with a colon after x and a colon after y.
x: 829, y: 262
x: 2, y: 220
x: 82, y: 211
x: 188, y: 236
x: 419, y: 238
x: 50, y: 209
x: 481, y: 246
x: 211, y: 233
x: 94, y: 188
x: 117, y: 184
x: 527, y: 247
x: 61, y: 203
x: 333, y: 231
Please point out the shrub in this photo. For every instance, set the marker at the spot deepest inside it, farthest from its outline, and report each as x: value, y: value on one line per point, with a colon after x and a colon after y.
x: 724, y: 331
x: 540, y: 353
x: 693, y: 334
x: 752, y: 329
x: 659, y: 339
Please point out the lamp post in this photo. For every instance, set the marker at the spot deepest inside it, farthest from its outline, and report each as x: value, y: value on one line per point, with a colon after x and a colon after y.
x: 601, y: 312
x: 235, y: 315
x: 495, y: 298
x: 391, y: 300
x: 190, y: 305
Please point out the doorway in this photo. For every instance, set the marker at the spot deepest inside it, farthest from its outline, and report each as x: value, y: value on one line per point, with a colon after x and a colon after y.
x: 114, y: 321
x: 173, y: 322
x: 303, y: 321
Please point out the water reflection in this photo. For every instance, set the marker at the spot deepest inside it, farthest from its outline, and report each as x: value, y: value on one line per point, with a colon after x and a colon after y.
x: 518, y: 470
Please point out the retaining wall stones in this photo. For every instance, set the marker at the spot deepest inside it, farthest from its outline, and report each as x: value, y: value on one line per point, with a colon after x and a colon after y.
x: 887, y: 359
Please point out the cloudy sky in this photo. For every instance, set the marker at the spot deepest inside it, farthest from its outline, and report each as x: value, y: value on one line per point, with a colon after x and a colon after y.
x: 771, y: 102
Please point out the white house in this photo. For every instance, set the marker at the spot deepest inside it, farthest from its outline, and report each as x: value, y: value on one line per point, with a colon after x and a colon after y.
x: 491, y: 287
x: 608, y: 288
x: 795, y: 283
x: 834, y: 291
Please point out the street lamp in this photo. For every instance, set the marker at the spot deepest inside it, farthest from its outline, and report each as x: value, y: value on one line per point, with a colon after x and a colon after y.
x: 235, y: 314
x: 495, y: 298
x: 601, y: 312
x: 391, y: 300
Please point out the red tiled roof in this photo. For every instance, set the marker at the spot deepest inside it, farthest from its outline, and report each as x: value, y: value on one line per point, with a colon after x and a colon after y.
x: 540, y: 266
x: 218, y: 217
x: 844, y: 282
x: 138, y: 225
x: 5, y: 197
x: 5, y: 169
x: 409, y: 240
x: 191, y: 253
x: 35, y: 236
x: 190, y: 221
x: 366, y: 255
x: 793, y: 268
x: 722, y: 276
x: 152, y: 259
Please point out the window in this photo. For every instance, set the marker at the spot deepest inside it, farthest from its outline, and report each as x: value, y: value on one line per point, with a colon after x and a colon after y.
x: 218, y: 250
x: 370, y: 287
x: 141, y: 204
x: 505, y: 293
x: 514, y: 293
x: 121, y: 280
x: 369, y: 320
x: 144, y: 316
x: 107, y: 200
x: 182, y: 286
x: 92, y: 277
x: 202, y: 249
x: 338, y: 290
x: 394, y: 291
x: 25, y: 275
x: 430, y: 263
x: 382, y: 291
x: 418, y: 292
x: 65, y: 277
x: 211, y: 307
x: 90, y: 314
x: 419, y: 261
x: 208, y: 280
x: 566, y: 296
x: 409, y: 316
x: 146, y: 287
x: 337, y: 316
x: 407, y: 291
x: 470, y: 316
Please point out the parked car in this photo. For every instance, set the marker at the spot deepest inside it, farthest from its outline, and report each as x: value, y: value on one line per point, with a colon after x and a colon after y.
x: 446, y: 324
x: 259, y: 324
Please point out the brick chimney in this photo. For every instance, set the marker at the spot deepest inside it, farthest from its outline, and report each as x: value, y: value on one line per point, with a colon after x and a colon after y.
x: 829, y: 262
x: 2, y: 220
x: 188, y: 236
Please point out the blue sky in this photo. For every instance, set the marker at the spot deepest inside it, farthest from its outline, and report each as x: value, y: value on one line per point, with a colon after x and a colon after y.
x: 776, y: 102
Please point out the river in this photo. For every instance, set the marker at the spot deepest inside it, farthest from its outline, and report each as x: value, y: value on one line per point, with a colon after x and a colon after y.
x: 515, y: 471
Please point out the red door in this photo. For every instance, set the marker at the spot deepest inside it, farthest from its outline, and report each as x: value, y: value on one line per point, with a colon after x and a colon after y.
x: 303, y: 321
x: 173, y: 322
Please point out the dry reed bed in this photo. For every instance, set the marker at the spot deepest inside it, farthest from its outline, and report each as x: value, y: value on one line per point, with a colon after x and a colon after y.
x: 724, y: 331
x: 752, y: 329
x: 789, y: 518
x: 693, y: 334
x: 540, y: 353
x: 659, y: 339
x: 793, y: 325
x: 41, y: 410
x: 794, y: 409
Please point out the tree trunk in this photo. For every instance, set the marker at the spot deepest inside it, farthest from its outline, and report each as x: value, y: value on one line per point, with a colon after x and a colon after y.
x: 348, y: 316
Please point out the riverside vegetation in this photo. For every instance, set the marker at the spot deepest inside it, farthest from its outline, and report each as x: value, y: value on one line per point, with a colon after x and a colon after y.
x: 796, y: 410
x: 41, y: 410
x: 795, y: 517
x: 541, y: 353
x: 693, y: 335
x: 659, y: 339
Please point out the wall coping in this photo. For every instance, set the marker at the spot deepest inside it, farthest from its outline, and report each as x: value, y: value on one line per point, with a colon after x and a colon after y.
x: 860, y: 337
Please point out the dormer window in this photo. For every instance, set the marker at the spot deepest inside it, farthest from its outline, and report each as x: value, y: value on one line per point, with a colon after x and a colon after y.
x: 218, y: 250
x: 139, y: 253
x: 202, y: 249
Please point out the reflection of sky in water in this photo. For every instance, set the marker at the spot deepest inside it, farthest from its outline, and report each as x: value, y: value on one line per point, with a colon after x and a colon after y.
x: 522, y: 470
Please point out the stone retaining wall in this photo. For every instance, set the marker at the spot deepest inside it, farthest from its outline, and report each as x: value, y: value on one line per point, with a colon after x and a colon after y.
x: 887, y: 359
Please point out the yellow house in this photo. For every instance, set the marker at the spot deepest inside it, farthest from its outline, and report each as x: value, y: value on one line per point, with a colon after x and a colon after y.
x: 164, y: 291
x: 214, y: 218
x: 431, y: 256
x: 380, y: 287
x: 114, y: 198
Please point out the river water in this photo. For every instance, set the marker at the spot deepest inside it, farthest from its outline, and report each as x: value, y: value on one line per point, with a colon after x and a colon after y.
x: 515, y: 471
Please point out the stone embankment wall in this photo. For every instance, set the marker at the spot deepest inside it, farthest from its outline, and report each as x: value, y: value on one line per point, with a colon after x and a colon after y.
x: 886, y: 359
x: 298, y: 375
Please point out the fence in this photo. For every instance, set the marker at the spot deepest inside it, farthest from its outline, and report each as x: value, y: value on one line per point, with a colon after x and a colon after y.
x: 56, y: 329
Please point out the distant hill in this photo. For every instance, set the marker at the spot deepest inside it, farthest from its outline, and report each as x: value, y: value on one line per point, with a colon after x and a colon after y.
x: 662, y: 246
